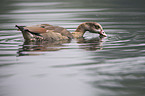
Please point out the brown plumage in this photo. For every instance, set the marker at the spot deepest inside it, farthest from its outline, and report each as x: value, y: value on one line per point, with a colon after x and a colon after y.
x: 53, y: 33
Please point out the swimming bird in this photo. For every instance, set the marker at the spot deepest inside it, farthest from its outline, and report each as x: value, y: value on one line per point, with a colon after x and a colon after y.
x: 55, y: 33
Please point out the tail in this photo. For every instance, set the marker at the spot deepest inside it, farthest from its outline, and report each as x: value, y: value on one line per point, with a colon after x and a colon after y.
x: 21, y: 28
x: 26, y: 34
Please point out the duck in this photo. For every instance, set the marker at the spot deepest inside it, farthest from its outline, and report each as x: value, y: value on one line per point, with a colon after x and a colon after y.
x: 49, y: 32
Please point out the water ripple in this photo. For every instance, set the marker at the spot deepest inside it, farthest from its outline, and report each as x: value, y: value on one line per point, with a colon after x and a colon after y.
x: 37, y: 4
x: 111, y: 66
x: 56, y: 10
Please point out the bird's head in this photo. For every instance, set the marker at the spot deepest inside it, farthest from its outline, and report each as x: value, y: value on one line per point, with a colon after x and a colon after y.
x: 94, y: 27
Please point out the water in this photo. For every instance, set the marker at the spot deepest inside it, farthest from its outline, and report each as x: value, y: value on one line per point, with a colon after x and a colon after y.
x: 93, y: 66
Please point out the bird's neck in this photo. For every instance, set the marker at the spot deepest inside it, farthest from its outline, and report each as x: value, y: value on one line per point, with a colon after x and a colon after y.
x: 79, y: 32
x: 81, y: 28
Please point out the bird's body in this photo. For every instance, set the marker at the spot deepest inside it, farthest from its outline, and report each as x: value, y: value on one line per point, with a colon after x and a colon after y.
x: 55, y: 33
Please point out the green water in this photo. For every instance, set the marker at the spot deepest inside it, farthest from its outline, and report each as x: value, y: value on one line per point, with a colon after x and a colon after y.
x: 110, y: 66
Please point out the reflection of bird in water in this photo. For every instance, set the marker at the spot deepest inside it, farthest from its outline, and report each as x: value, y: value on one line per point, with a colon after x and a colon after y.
x: 56, y: 33
x: 38, y: 47
x: 35, y: 47
x: 91, y: 44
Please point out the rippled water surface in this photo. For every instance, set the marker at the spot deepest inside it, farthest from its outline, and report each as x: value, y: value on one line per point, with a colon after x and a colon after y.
x: 93, y: 66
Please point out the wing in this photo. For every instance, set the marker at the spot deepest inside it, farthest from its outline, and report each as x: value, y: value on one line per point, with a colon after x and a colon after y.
x: 61, y: 30
x: 42, y: 28
x: 37, y: 30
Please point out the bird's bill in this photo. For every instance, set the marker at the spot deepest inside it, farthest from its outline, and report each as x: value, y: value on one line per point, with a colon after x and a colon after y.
x: 103, y: 33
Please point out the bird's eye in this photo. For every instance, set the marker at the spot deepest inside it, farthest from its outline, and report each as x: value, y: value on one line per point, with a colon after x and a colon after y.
x: 97, y: 27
